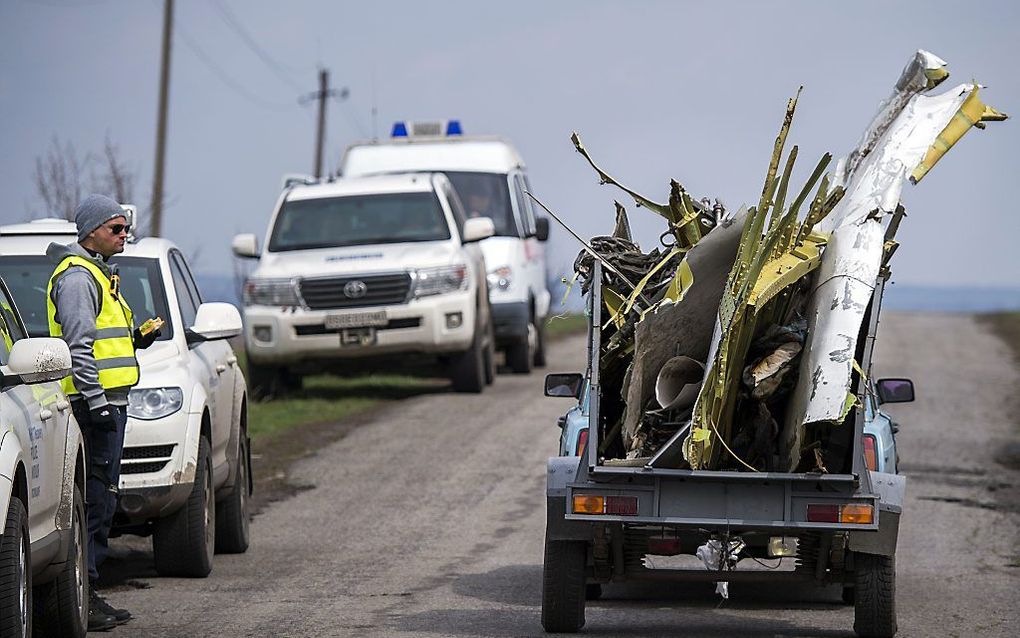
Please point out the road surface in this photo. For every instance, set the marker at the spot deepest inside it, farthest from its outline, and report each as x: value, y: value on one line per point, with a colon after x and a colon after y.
x: 428, y: 521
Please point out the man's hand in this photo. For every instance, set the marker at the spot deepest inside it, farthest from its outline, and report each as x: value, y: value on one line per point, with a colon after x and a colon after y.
x: 141, y: 341
x: 102, y: 417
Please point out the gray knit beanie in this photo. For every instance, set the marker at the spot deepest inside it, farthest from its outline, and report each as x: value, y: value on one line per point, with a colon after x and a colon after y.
x: 93, y: 212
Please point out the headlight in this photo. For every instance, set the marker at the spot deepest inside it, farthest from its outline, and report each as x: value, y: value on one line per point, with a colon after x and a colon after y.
x: 271, y: 292
x: 154, y: 403
x: 501, y: 277
x: 434, y: 281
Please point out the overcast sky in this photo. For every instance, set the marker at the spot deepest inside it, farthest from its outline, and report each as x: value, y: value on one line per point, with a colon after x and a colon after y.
x: 658, y: 90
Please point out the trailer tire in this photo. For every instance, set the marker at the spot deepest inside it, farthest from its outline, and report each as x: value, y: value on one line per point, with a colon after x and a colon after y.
x: 874, y: 595
x: 563, y: 586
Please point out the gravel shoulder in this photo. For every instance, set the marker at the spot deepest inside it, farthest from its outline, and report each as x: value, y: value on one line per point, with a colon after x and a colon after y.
x: 426, y: 518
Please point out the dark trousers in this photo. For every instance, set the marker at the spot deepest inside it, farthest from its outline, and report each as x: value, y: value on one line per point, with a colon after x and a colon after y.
x: 104, y: 448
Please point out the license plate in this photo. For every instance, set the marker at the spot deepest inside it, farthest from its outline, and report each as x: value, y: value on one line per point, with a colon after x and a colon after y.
x: 357, y: 337
x: 356, y: 320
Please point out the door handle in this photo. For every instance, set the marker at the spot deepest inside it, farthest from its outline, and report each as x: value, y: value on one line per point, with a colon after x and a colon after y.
x: 45, y: 414
x: 221, y: 368
x: 62, y: 405
x: 232, y: 360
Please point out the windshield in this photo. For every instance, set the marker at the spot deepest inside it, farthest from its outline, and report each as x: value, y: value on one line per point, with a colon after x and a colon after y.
x: 140, y: 283
x: 486, y: 195
x: 358, y: 220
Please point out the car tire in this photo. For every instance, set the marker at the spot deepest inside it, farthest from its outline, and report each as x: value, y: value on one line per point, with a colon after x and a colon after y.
x: 232, y: 521
x: 563, y: 586
x: 263, y: 381
x: 61, y: 605
x: 520, y: 354
x: 490, y: 357
x: 874, y: 595
x: 183, y: 543
x: 468, y: 369
x: 593, y: 591
x: 540, y: 341
x: 15, y: 573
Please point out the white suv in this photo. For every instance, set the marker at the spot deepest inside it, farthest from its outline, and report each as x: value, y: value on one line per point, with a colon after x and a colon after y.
x: 365, y: 268
x: 42, y: 487
x: 490, y: 178
x: 186, y: 472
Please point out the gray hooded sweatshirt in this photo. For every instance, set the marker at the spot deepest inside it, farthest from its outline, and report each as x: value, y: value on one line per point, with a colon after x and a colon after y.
x: 77, y: 298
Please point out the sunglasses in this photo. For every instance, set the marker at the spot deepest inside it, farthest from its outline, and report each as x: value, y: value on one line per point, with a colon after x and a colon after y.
x: 117, y: 229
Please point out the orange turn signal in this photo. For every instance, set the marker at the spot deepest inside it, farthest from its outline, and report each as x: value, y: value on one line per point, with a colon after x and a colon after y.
x: 855, y: 513
x: 589, y: 504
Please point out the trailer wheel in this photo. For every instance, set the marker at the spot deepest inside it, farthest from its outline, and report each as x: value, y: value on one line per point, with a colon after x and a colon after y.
x: 874, y: 595
x: 563, y: 586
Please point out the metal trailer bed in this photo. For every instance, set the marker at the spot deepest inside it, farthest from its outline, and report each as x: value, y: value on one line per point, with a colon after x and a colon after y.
x: 658, y: 510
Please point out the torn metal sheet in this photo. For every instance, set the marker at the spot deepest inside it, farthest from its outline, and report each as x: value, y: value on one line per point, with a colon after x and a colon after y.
x: 855, y: 251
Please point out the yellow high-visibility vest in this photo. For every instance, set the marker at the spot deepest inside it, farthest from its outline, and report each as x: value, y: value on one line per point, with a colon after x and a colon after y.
x: 113, y: 349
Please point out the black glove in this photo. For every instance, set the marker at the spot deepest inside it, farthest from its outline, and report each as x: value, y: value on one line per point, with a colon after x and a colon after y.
x: 141, y: 342
x: 103, y: 417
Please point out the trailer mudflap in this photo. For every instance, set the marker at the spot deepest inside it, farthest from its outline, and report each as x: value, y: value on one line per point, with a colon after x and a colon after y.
x: 891, y: 489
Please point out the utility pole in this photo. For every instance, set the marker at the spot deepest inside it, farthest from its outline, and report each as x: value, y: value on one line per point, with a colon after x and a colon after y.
x: 321, y: 95
x: 320, y: 132
x: 164, y: 89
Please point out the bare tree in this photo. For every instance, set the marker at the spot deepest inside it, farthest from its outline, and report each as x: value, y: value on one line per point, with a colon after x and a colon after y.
x: 59, y: 178
x: 116, y: 179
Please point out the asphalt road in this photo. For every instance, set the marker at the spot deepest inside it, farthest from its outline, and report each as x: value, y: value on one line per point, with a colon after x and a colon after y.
x: 428, y: 521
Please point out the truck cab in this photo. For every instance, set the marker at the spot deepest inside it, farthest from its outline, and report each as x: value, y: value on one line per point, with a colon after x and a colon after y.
x: 491, y: 179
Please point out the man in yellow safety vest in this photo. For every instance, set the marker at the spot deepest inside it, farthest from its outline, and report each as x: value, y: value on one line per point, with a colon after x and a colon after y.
x: 86, y: 309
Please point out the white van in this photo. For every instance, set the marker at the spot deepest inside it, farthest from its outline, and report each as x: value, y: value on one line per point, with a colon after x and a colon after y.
x: 368, y: 268
x: 490, y: 177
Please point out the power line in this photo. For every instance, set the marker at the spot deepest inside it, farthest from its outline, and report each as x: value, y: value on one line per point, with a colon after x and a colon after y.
x: 278, y: 69
x: 225, y: 77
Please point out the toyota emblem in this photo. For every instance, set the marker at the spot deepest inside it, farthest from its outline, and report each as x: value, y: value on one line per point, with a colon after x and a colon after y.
x: 355, y: 289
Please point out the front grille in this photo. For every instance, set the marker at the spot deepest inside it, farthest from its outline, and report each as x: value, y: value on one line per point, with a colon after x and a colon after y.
x: 143, y: 468
x: 392, y: 324
x: 380, y: 290
x: 148, y: 452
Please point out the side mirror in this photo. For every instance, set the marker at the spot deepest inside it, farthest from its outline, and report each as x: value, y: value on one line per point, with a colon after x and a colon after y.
x: 478, y: 228
x: 36, y: 360
x: 564, y: 384
x: 542, y: 228
x: 895, y: 390
x: 245, y: 245
x: 215, y: 320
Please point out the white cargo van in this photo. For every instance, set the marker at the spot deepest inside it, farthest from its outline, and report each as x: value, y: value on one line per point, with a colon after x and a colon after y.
x: 490, y: 177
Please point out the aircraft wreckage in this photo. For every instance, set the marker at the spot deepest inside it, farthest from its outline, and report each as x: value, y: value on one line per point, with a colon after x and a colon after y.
x: 734, y: 346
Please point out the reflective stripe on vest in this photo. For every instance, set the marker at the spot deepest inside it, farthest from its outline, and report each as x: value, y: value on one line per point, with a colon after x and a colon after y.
x: 113, y: 349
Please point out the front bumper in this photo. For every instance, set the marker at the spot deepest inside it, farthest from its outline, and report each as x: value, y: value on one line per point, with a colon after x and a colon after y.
x: 158, y: 467
x: 275, y: 335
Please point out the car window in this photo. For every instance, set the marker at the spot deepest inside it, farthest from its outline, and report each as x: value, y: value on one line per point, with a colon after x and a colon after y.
x: 359, y: 220
x: 140, y: 282
x: 196, y: 294
x: 524, y: 206
x: 530, y: 210
x: 10, y: 327
x: 184, y: 301
x: 486, y: 195
x: 457, y: 207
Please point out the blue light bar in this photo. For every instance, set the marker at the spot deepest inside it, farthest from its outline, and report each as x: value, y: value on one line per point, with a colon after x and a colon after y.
x: 453, y: 128
x: 399, y: 129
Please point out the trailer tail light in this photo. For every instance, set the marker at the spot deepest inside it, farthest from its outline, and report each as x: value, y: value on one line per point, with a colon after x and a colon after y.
x: 870, y: 459
x: 613, y: 505
x: 663, y: 546
x: 621, y: 505
x: 855, y: 513
x: 589, y: 504
x: 582, y: 440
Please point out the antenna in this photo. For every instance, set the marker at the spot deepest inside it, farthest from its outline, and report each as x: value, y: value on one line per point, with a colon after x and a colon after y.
x: 375, y: 108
